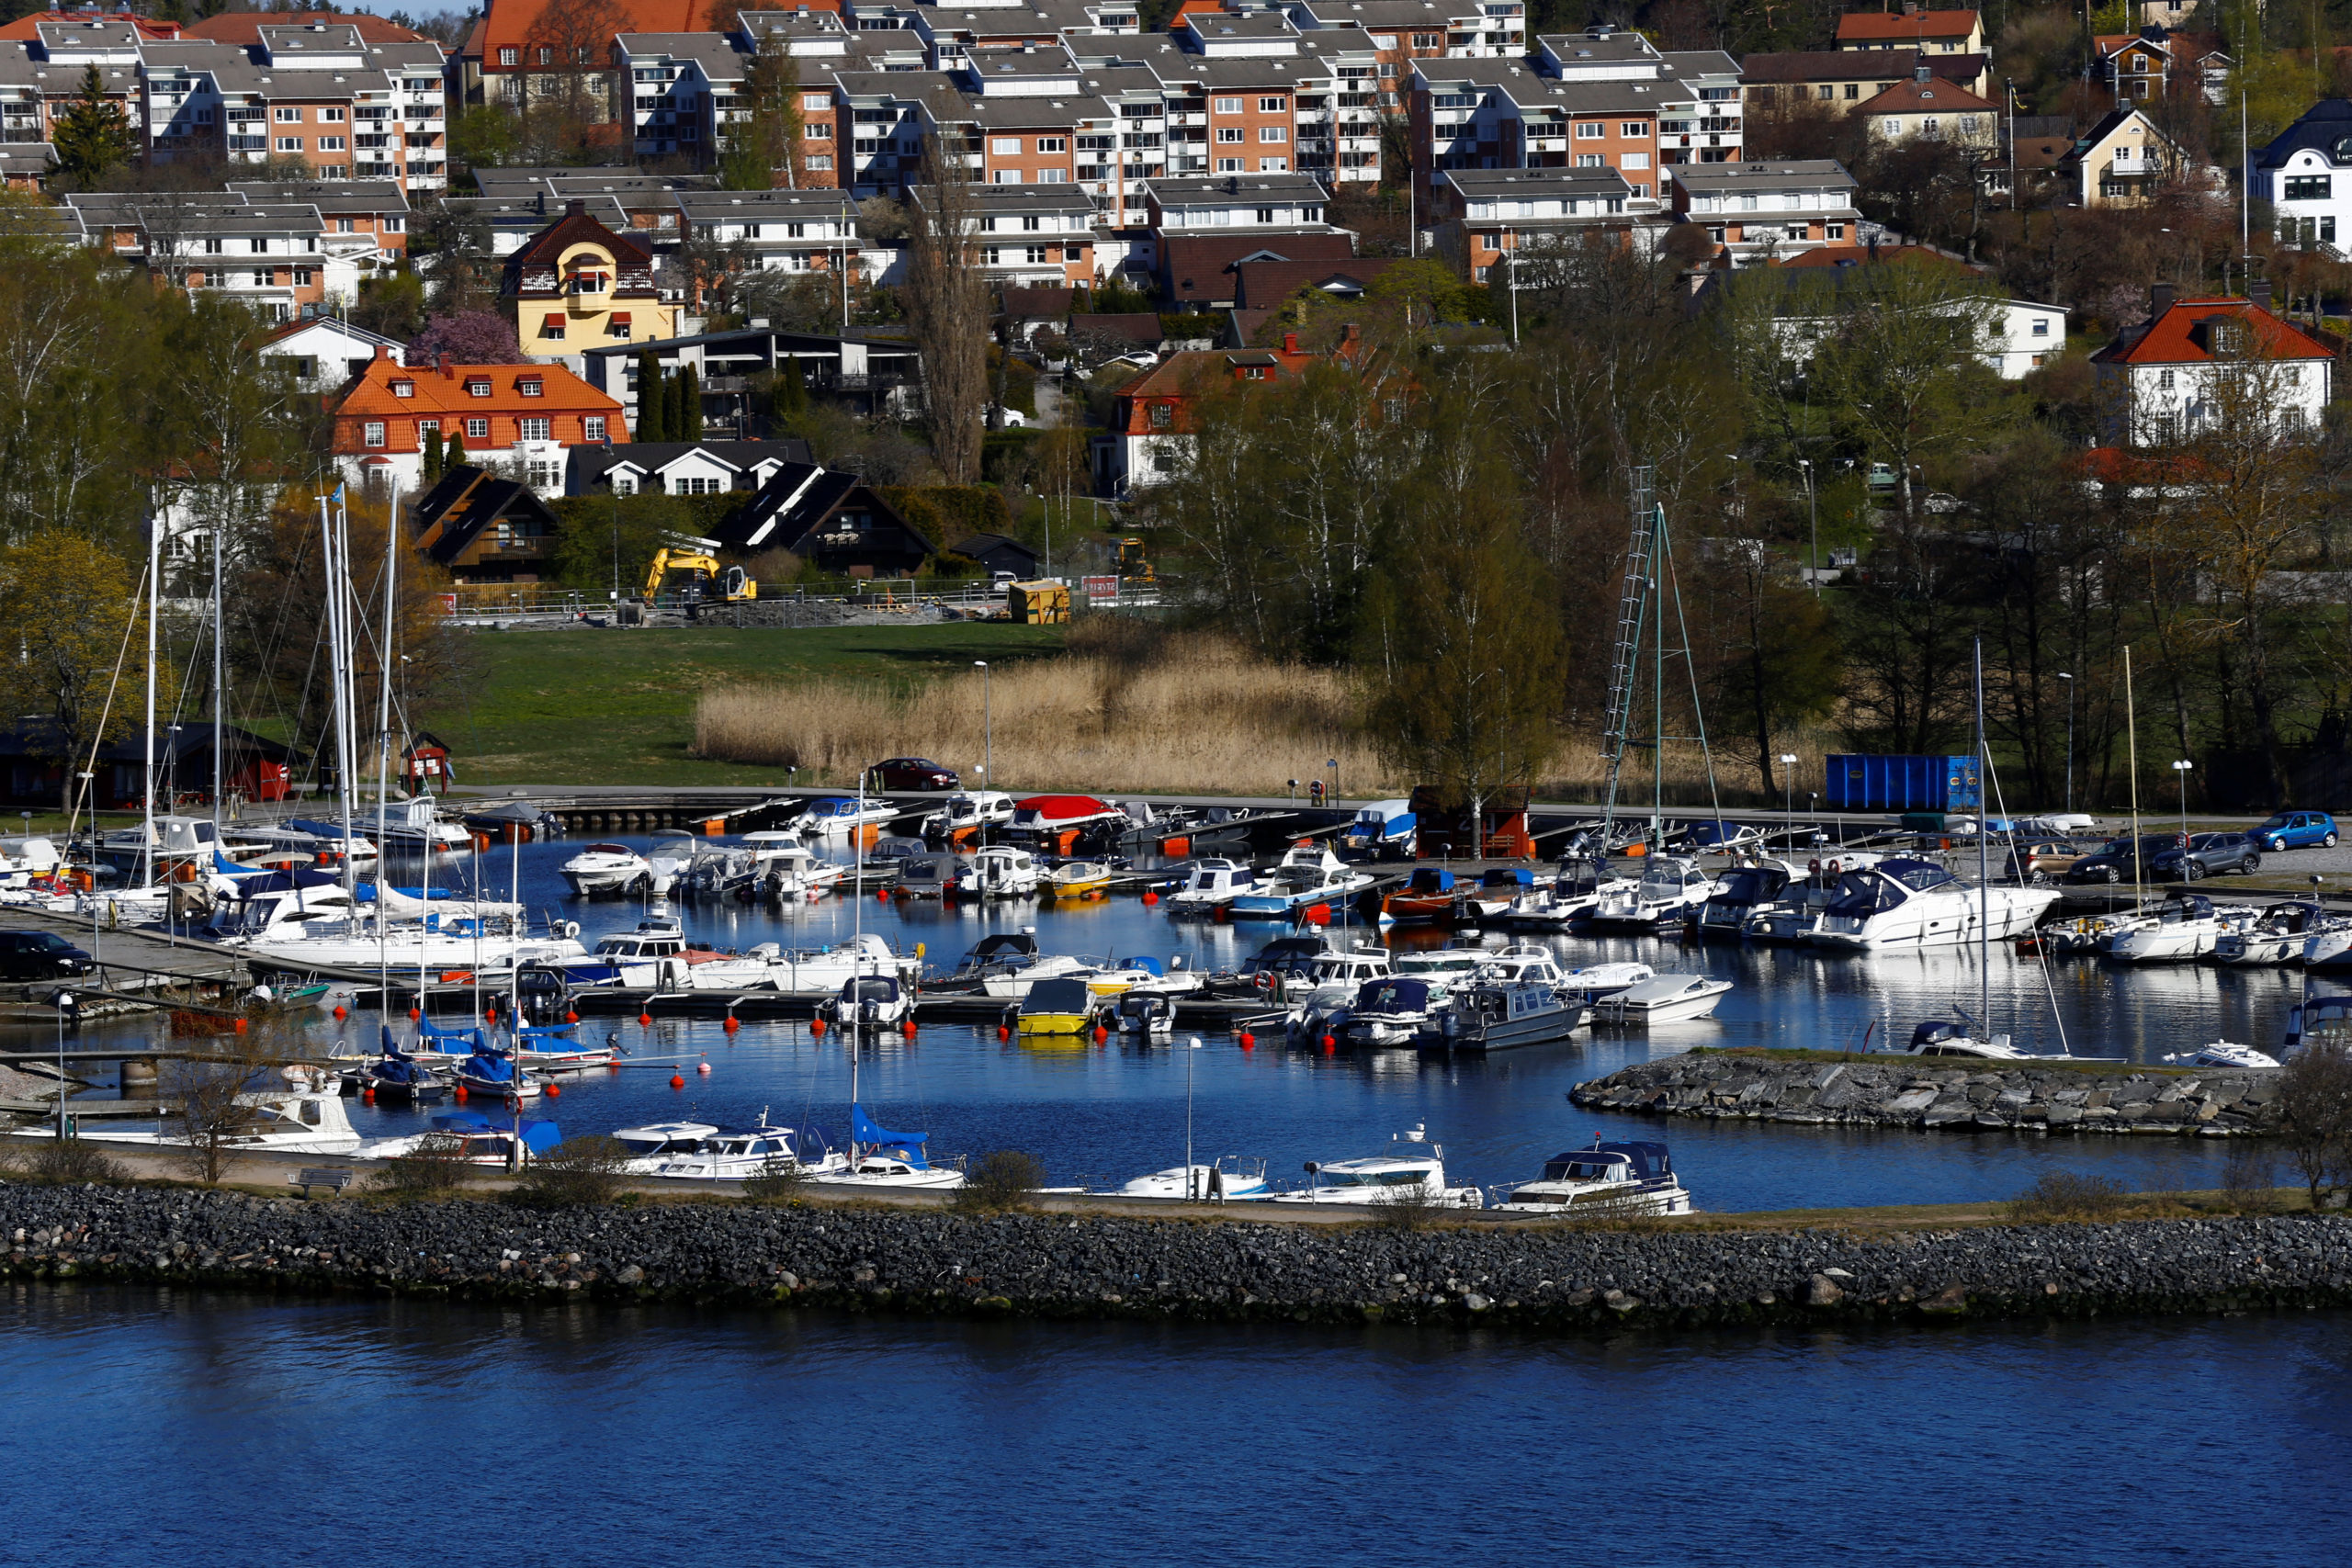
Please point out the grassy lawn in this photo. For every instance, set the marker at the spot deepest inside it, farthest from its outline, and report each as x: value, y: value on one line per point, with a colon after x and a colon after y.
x: 618, y: 708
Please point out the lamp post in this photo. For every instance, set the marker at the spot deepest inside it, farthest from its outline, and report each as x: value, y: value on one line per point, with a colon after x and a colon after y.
x: 988, y: 722
x: 1333, y: 798
x: 2063, y: 675
x: 1812, y: 524
x: 613, y: 485
x: 2180, y: 770
x: 1510, y: 259
x: 1192, y: 1044
x: 65, y: 1006
x: 1293, y: 790
x: 1788, y: 796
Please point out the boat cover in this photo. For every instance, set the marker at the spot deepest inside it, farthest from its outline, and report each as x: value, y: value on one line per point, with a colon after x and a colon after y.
x: 490, y: 1064
x: 1042, y: 811
x: 542, y: 1031
x: 1392, y: 994
x: 251, y: 886
x: 864, y: 1132
x: 428, y: 1029
x: 1048, y: 998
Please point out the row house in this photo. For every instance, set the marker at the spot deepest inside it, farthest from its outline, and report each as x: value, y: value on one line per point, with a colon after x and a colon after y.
x: 671, y: 87
x: 1407, y: 30
x: 779, y: 230
x: 578, y: 284
x: 278, y: 257
x: 522, y: 417
x: 1703, y: 125
x: 42, y: 75
x: 647, y: 203
x: 1768, y: 211
x: 1843, y: 80
x: 377, y: 210
x: 26, y: 28
x: 679, y: 468
x: 734, y: 368
x: 1928, y: 32
x: 1030, y: 236
x: 1173, y: 208
x: 1487, y: 114
x: 1484, y: 218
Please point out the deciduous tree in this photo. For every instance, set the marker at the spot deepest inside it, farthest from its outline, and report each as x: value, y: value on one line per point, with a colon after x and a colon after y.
x: 946, y: 299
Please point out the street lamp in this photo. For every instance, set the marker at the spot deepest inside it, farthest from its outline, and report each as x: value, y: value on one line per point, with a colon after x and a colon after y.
x: 1293, y: 790
x: 64, y: 1005
x: 613, y: 484
x: 1813, y: 522
x: 1332, y: 798
x: 1788, y: 796
x: 1510, y: 259
x: 988, y: 722
x: 2181, y: 770
x: 1192, y: 1044
x: 2063, y: 675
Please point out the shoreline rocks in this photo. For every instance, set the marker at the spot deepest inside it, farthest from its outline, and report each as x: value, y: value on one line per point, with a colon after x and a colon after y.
x: 1938, y: 1097
x: 940, y: 1263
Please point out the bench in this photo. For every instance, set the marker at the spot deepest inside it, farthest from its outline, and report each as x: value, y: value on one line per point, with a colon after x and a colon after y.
x: 334, y: 1177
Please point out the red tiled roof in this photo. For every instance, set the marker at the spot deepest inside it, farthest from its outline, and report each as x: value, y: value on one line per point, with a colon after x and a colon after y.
x: 2172, y: 338
x: 1868, y: 27
x: 1912, y: 96
x: 1268, y: 283
x: 244, y: 27
x: 440, y: 391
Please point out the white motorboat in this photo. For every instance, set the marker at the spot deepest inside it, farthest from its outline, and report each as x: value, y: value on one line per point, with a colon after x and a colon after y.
x: 1663, y: 999
x: 1750, y: 892
x: 2277, y: 936
x: 2329, y: 948
x: 1308, y: 876
x: 1119, y: 976
x: 2223, y: 1053
x: 600, y: 869
x: 407, y: 946
x: 657, y: 1141
x: 1597, y: 980
x: 784, y: 870
x: 1496, y: 1015
x: 413, y: 826
x: 1790, y: 916
x: 843, y: 816
x: 1328, y: 989
x: 1229, y: 1180
x: 735, y: 1154
x: 284, y: 904
x: 1211, y: 884
x: 1917, y: 904
x: 1411, y: 1169
x: 1938, y: 1038
x: 1571, y: 897
x: 998, y: 872
x: 1148, y: 1014
x: 470, y: 1137
x: 2179, y: 930
x: 1606, y: 1181
x: 1521, y: 963
x: 305, y: 1122
x: 1393, y: 1010
x: 871, y: 1002
x: 668, y: 861
x: 1672, y: 888
x: 967, y: 815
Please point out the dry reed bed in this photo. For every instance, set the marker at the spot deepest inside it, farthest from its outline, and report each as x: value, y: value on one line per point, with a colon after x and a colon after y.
x: 1202, y: 717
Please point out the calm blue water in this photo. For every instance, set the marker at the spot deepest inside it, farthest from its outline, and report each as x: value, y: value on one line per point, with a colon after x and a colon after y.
x: 1109, y: 1114
x: 147, y: 1428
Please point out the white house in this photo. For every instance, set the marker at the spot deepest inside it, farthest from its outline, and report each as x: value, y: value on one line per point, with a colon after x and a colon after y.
x: 678, y: 468
x: 2027, y: 336
x: 325, y: 352
x: 2159, y: 379
x: 2306, y: 176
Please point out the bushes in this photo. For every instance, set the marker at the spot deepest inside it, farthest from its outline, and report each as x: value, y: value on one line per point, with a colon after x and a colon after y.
x: 577, y: 1172
x: 63, y: 1163
x: 2071, y: 1195
x: 999, y: 1181
x: 945, y: 513
x: 434, y: 1168
x: 2315, y: 1116
x: 780, y: 1181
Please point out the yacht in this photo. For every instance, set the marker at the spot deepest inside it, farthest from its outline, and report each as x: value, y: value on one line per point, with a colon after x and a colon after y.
x: 841, y: 815
x: 733, y: 1154
x: 669, y: 861
x: 2222, y: 1054
x: 784, y: 870
x: 882, y: 1160
x: 1606, y: 1180
x: 871, y: 1001
x: 966, y: 816
x: 998, y: 872
x: 1917, y: 904
x: 1788, y: 918
x: 394, y: 1077
x: 1394, y: 1010
x: 1579, y: 887
x: 1327, y: 991
x: 1211, y: 884
x: 413, y: 826
x: 2179, y: 930
x: 1521, y: 963
x: 472, y: 1138
x: 1281, y: 963
x: 282, y: 905
x: 1229, y: 1180
x: 1495, y: 1015
x: 1410, y: 1169
x: 2329, y: 947
x: 1663, y: 999
x: 1672, y: 888
x: 1751, y: 891
x: 301, y: 1121
x: 657, y: 1141
x: 1308, y: 876
x: 1119, y: 976
x: 606, y: 868
x: 1597, y: 980
x: 2278, y: 935
x: 1383, y: 828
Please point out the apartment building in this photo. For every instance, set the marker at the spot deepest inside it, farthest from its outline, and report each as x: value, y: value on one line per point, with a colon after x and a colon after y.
x: 780, y: 231
x: 1842, y: 79
x: 375, y: 209
x: 549, y: 49
x: 1484, y: 218
x: 1926, y: 32
x: 669, y: 85
x: 276, y: 256
x: 41, y: 74
x: 1491, y: 114
x: 1767, y: 210
x: 1030, y: 236
x: 1699, y: 125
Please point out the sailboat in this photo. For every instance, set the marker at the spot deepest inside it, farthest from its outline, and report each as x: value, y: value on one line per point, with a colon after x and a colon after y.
x: 879, y: 1157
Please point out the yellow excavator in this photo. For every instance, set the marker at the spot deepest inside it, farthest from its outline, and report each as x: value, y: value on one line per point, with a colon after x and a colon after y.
x: 1132, y: 564
x: 729, y: 582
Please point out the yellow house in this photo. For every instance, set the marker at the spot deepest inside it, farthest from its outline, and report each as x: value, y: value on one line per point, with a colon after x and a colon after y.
x: 577, y: 285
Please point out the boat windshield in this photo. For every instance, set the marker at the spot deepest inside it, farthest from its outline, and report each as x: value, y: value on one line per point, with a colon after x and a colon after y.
x: 1393, y: 996
x: 1330, y: 1177
x: 1585, y: 1167
x: 871, y: 988
x: 1754, y: 885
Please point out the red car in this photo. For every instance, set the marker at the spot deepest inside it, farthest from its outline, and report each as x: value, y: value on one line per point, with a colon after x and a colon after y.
x: 910, y: 773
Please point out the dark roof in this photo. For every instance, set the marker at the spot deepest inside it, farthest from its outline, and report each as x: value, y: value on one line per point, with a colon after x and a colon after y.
x: 1125, y: 326
x: 1193, y: 267
x: 2324, y: 124
x: 35, y: 734
x: 1264, y: 283
x: 1856, y: 65
x: 573, y: 228
x: 997, y: 552
x: 588, y: 462
x: 467, y: 501
x: 1036, y: 303
x: 798, y: 498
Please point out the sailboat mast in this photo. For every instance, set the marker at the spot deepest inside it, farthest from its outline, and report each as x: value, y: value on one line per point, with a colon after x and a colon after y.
x: 154, y: 597
x: 384, y: 743
x: 1983, y: 878
x: 219, y: 680
x: 1657, y: 689
x: 2131, y: 745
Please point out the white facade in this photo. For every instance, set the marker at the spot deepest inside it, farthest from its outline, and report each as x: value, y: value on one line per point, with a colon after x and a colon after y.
x: 2309, y: 190
x: 2030, y: 336
x: 324, y: 352
x: 2163, y: 403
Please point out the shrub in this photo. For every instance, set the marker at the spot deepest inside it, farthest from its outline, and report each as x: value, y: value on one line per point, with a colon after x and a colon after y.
x: 436, y: 1168
x: 2315, y: 1116
x: 2071, y: 1195
x: 780, y: 1181
x: 2250, y: 1177
x: 577, y: 1172
x: 1001, y: 1180
x: 1405, y: 1209
x: 64, y: 1162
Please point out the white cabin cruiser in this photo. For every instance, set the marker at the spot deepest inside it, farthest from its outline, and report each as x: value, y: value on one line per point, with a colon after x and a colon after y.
x: 1672, y: 888
x: 969, y: 814
x: 1750, y: 892
x: 1308, y: 874
x: 1229, y: 1180
x: 1663, y: 999
x: 784, y: 870
x: 2278, y: 935
x: 2222, y: 1054
x: 1916, y: 904
x: 300, y: 1122
x: 1326, y: 993
x: 669, y: 860
x: 1606, y: 1181
x: 1570, y: 897
x: 600, y: 869
x: 413, y: 826
x: 1212, y: 883
x: 1411, y: 1169
x: 1791, y: 916
x: 734, y: 1154
x: 843, y: 816
x: 869, y: 1002
x: 1597, y: 980
x: 2330, y: 947
x: 2179, y: 930
x: 1393, y: 1010
x: 998, y: 872
x: 657, y: 1141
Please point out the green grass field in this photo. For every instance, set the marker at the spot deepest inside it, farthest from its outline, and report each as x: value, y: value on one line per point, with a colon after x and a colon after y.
x: 618, y: 708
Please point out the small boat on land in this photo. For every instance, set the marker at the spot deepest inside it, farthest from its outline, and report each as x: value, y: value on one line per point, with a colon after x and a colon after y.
x: 1230, y: 1180
x: 1938, y: 1037
x: 1383, y: 829
x: 305, y: 1121
x: 2222, y: 1054
x: 472, y: 1138
x: 1410, y: 1170
x: 966, y: 816
x: 1606, y: 1181
x: 879, y: 1158
x: 1663, y: 999
x: 735, y: 1154
x: 1061, y: 823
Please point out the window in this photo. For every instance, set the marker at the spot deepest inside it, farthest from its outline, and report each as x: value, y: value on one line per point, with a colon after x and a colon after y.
x: 989, y: 255
x: 1590, y: 161
x: 1272, y: 134
x: 2041, y: 326
x: 331, y: 116
x: 1031, y: 224
x: 531, y: 387
x: 1229, y: 133
x: 549, y: 327
x: 477, y: 430
x: 258, y: 247
x: 330, y: 144
x: 1590, y: 131
x: 617, y: 326
x: 824, y: 162
x: 1229, y: 165
x: 534, y: 429
x: 1633, y: 161
x: 1893, y: 126
x: 1163, y: 415
x: 1833, y: 230
x: 1633, y: 129
x: 510, y: 57
x: 2307, y: 187
x: 2164, y: 380
x: 289, y: 117
x: 1853, y: 91
x: 1826, y: 91
x: 1226, y: 105
x: 1265, y: 215
x: 818, y: 133
x: 261, y: 280
x: 1273, y: 165
x: 1053, y: 176
x: 290, y: 144
x: 1968, y: 123
x: 1053, y: 144
x: 211, y: 247
x: 592, y: 427
x: 816, y: 100
x: 1796, y: 233
x: 480, y: 387
x: 1005, y: 144
x: 424, y: 424
x: 372, y: 433
x: 1270, y: 106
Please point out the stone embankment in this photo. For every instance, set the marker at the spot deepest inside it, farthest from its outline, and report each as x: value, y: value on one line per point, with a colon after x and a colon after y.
x: 1910, y: 1093
x: 939, y: 1262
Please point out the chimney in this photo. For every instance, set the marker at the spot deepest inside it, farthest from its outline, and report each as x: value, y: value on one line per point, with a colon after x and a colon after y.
x: 2160, y: 298
x: 382, y: 353
x: 1290, y: 342
x: 1348, y: 335
x: 1922, y: 73
x: 2259, y: 292
x: 441, y: 362
x: 575, y: 208
x: 1910, y: 7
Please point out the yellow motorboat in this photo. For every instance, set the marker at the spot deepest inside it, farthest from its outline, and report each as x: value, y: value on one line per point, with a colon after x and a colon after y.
x: 1057, y: 1007
x: 1078, y: 879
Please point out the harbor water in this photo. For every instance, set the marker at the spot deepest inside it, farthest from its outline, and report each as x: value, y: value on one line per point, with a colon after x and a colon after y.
x: 160, y: 1427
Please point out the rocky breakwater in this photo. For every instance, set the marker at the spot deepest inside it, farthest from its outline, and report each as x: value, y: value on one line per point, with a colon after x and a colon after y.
x: 1540, y: 1278
x: 1765, y: 1086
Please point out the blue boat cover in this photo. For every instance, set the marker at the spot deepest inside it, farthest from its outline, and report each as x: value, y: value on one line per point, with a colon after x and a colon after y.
x: 542, y: 1031
x: 863, y: 1131
x: 227, y: 868
x: 540, y: 1136
x: 253, y: 885
x: 1148, y: 966
x: 461, y: 1122
x: 429, y: 1030
x: 490, y: 1064
x: 321, y: 830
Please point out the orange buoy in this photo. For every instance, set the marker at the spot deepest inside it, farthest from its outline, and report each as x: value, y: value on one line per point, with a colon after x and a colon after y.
x: 367, y: 1093
x: 459, y: 1096
x: 677, y: 1081
x: 241, y: 1026
x: 703, y: 1068
x: 1328, y: 1042
x: 817, y: 1025
x: 555, y: 1090
x: 1100, y: 1035
x: 415, y: 1013
x: 732, y: 1025
x: 1328, y: 1049
x: 339, y: 1012
x: 1004, y: 1031
x: 571, y: 1017
x: 1249, y: 1041
x: 646, y: 1019
x: 908, y: 1028
x: 1151, y: 899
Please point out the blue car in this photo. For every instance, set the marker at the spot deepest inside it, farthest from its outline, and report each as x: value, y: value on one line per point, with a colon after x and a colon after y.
x: 2297, y: 830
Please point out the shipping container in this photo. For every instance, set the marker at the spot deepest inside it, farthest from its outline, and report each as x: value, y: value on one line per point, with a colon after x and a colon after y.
x: 1862, y: 782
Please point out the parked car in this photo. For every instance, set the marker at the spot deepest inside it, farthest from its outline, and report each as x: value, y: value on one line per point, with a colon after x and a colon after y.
x: 2297, y: 830
x: 2112, y: 862
x: 40, y: 956
x: 2043, y: 857
x: 2207, y: 854
x: 910, y: 773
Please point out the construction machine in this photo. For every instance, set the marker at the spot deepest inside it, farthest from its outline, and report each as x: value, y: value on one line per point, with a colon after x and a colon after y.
x: 727, y: 581
x: 1132, y: 565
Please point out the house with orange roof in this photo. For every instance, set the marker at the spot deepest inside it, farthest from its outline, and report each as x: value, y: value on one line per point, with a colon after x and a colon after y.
x: 1153, y: 422
x: 577, y: 285
x: 1931, y: 32
x: 2162, y: 381
x: 519, y: 418
x: 1923, y: 107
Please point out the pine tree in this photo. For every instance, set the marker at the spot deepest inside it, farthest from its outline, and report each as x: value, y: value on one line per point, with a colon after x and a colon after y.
x: 432, y: 455
x: 790, y: 399
x: 649, y: 398
x: 453, y: 454
x: 93, y: 135
x: 689, y: 405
